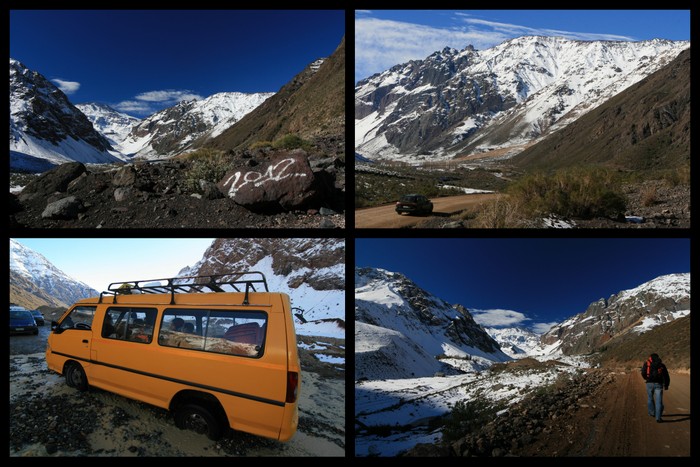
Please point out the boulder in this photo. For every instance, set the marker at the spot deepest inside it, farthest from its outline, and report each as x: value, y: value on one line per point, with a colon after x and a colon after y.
x: 284, y: 183
x: 56, y: 179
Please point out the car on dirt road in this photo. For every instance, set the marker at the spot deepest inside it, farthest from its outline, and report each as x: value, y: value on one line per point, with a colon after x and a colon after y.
x: 414, y: 204
x: 22, y: 321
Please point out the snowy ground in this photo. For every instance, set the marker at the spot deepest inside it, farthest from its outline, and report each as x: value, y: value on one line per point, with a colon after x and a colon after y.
x: 413, y: 402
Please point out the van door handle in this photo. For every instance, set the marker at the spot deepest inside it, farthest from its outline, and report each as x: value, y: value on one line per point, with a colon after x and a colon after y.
x: 85, y: 341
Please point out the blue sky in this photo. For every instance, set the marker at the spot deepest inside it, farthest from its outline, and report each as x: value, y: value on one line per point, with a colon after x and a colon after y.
x: 141, y: 61
x: 98, y: 262
x: 529, y: 282
x: 385, y: 38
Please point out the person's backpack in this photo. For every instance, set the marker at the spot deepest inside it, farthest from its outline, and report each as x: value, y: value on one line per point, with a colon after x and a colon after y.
x: 654, y: 370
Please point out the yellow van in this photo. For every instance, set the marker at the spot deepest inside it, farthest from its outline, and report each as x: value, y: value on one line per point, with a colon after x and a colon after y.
x: 213, y: 350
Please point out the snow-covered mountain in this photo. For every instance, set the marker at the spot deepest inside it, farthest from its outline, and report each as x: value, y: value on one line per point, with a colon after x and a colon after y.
x: 310, y: 270
x: 188, y: 124
x: 460, y: 102
x: 110, y: 123
x: 516, y: 342
x: 402, y: 331
x: 45, y: 128
x: 624, y: 315
x: 34, y: 281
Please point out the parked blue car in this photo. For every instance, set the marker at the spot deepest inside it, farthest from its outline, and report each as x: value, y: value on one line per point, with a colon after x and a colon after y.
x: 22, y: 321
x: 38, y: 317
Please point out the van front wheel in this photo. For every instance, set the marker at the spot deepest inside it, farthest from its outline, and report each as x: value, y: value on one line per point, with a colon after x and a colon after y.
x: 198, y: 419
x: 75, y: 376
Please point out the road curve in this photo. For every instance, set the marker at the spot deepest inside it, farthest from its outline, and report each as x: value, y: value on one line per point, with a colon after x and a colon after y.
x: 385, y: 217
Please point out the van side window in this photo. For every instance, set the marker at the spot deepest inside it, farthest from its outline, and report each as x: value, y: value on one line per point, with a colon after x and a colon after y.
x: 231, y: 332
x: 80, y: 317
x: 130, y: 324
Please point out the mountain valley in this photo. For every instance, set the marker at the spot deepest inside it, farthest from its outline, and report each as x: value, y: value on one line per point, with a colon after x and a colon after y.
x: 524, y: 117
x: 427, y: 386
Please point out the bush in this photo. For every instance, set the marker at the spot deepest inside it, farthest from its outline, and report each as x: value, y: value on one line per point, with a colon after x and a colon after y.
x: 466, y: 417
x: 291, y: 141
x: 261, y: 144
x: 580, y: 192
x: 206, y: 164
x: 503, y: 213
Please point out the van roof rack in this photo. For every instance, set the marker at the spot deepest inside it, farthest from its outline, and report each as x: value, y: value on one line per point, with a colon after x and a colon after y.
x: 190, y: 284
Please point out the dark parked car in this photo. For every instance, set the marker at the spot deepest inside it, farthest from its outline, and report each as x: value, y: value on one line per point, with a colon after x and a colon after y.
x: 414, y: 204
x: 22, y: 321
x: 38, y: 317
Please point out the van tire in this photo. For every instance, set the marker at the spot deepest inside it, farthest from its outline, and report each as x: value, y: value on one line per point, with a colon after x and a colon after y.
x: 199, y: 419
x: 75, y: 376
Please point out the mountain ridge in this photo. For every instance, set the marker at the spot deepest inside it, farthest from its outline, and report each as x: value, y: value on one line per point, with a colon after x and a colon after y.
x: 460, y: 102
x: 45, y: 125
x: 311, y: 105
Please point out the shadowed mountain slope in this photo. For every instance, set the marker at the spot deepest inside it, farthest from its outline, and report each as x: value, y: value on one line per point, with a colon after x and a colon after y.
x: 647, y: 126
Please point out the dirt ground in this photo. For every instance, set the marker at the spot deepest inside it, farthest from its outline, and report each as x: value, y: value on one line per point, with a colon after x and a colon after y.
x: 48, y: 418
x: 614, y: 422
x: 386, y: 216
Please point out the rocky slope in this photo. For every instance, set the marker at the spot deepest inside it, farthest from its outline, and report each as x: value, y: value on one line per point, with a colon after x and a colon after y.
x: 34, y: 281
x: 110, y: 123
x: 189, y: 124
x: 45, y: 128
x: 311, y: 105
x: 609, y: 322
x: 646, y: 126
x: 402, y: 331
x: 180, y: 194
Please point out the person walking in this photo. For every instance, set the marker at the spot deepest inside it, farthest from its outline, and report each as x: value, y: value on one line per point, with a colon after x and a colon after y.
x: 656, y: 376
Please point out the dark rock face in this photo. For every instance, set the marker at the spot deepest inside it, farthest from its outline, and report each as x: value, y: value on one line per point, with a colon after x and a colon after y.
x: 54, y: 180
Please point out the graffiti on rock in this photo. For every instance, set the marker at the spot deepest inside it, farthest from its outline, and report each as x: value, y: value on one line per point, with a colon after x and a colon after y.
x: 274, y: 173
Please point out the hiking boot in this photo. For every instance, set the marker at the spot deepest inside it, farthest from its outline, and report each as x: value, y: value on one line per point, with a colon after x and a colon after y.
x: 658, y: 420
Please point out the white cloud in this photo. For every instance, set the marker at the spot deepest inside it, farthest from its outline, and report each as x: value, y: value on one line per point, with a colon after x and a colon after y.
x: 498, y: 317
x: 68, y: 87
x: 169, y: 95
x: 381, y: 44
x: 541, y: 328
x: 137, y: 107
x: 150, y: 102
x: 515, y: 30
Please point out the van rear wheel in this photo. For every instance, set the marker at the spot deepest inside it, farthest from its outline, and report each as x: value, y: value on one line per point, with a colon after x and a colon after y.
x: 75, y: 376
x: 198, y: 419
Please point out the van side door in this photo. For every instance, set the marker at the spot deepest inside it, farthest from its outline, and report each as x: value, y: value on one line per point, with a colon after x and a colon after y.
x: 72, y: 336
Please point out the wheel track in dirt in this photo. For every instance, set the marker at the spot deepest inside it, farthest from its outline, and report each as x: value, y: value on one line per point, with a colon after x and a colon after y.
x: 620, y: 425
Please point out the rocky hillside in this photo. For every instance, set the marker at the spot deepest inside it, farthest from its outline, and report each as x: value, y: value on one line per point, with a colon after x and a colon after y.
x: 607, y: 323
x: 402, y: 331
x: 35, y: 282
x: 189, y: 124
x: 110, y: 123
x: 310, y: 270
x: 295, y: 192
x: 646, y: 126
x: 311, y: 105
x: 45, y: 128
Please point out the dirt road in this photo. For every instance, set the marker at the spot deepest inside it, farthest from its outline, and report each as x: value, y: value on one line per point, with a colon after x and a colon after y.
x: 614, y: 422
x: 383, y: 217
